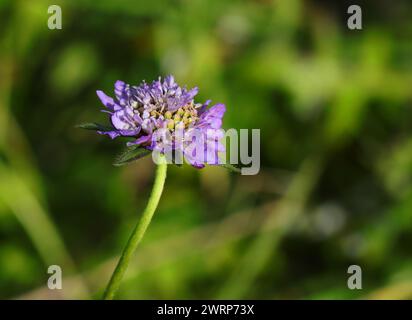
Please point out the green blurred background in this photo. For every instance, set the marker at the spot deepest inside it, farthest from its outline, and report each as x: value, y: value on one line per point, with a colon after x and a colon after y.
x: 335, y: 188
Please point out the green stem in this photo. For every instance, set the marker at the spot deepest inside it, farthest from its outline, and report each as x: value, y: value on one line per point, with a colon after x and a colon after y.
x: 137, y: 233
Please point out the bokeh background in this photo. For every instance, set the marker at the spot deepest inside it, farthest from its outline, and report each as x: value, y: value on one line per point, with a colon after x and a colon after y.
x: 335, y: 188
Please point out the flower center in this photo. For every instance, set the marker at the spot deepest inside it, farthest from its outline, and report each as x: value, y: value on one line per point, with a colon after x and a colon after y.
x: 181, y: 118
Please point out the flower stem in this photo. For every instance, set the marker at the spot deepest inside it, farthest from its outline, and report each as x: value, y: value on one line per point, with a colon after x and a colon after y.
x: 137, y: 233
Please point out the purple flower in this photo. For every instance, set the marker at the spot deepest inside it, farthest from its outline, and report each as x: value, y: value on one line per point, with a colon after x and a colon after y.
x: 163, y: 116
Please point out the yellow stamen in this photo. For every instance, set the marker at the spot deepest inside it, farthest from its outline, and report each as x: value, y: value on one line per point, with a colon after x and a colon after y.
x: 168, y: 115
x: 170, y: 124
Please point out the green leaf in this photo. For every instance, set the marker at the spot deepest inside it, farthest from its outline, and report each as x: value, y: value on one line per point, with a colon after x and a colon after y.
x: 230, y: 167
x: 94, y: 126
x: 130, y: 155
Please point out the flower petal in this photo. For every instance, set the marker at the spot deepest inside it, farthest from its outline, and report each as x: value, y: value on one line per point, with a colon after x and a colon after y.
x: 213, y: 116
x: 121, y: 89
x: 140, y: 140
x: 112, y: 134
x: 122, y: 120
x: 107, y: 101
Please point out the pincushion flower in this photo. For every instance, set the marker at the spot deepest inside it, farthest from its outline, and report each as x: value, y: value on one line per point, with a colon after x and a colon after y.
x: 160, y: 118
x: 163, y: 116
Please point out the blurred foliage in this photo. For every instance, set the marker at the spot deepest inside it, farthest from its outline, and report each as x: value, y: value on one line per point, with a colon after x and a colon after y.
x: 334, y: 108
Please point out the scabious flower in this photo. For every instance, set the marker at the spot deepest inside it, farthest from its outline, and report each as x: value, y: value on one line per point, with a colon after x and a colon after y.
x: 162, y: 116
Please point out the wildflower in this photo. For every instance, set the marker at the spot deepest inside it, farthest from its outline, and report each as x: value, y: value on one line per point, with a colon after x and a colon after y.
x: 162, y: 116
x: 159, y: 117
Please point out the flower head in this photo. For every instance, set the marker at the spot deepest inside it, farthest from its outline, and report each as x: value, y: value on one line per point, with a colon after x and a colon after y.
x: 163, y: 116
